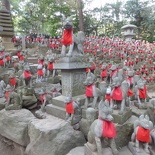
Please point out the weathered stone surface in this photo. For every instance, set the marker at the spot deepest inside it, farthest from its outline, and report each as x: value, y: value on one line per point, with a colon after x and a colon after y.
x: 106, y: 151
x: 52, y: 136
x: 8, y: 147
x: 150, y: 113
x: 14, y: 125
x: 2, y: 103
x: 77, y: 151
x: 121, y: 119
x: 133, y: 150
x: 124, y: 132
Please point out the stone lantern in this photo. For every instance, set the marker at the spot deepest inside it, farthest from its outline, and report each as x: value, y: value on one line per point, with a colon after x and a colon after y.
x: 129, y: 31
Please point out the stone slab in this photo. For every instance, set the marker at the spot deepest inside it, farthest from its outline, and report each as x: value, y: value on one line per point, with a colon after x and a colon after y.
x: 133, y: 149
x: 77, y: 151
x: 56, y: 111
x: 52, y: 136
x: 88, y: 151
x: 121, y: 119
x: 71, y: 63
x: 14, y: 125
x: 59, y: 101
x: 137, y: 112
x: 84, y: 112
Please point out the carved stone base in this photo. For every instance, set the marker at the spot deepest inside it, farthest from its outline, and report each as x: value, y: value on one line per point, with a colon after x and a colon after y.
x: 141, y: 106
x: 132, y: 148
x: 121, y: 119
x: 88, y: 151
x: 57, y: 108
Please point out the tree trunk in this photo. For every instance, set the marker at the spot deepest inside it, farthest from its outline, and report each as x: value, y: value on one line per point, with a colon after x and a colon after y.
x: 81, y: 23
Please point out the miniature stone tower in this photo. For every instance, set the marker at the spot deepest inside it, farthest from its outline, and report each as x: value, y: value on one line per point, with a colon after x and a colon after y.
x: 6, y: 23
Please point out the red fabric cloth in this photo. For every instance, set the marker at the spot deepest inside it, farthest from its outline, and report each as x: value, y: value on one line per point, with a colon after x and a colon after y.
x: 89, y: 91
x: 42, y: 98
x: 27, y: 74
x: 41, y: 62
x: 117, y: 94
x: 93, y: 67
x: 1, y: 62
x: 108, y: 128
x: 40, y: 72
x: 142, y: 93
x: 7, y: 94
x: 21, y: 58
x: 50, y: 66
x: 104, y: 73
x: 107, y: 97
x: 130, y: 93
x: 69, y: 108
x: 143, y: 135
x: 130, y: 79
x: 67, y: 37
x: 112, y: 73
x: 13, y: 81
x: 18, y: 54
x: 87, y: 70
x: 7, y: 58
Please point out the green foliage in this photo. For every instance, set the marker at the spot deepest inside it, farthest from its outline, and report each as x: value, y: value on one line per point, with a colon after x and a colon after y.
x: 45, y: 16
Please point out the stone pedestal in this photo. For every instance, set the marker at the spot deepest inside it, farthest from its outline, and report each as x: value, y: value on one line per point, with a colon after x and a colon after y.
x: 57, y: 108
x: 132, y: 148
x: 88, y: 151
x: 121, y: 119
x: 73, y: 75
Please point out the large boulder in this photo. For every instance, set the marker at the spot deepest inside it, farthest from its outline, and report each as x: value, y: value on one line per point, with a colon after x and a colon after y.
x: 52, y: 136
x: 14, y: 125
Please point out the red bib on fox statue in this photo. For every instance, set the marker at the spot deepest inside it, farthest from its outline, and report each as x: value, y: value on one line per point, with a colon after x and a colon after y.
x: 13, y: 81
x: 70, y: 108
x: 1, y: 62
x: 117, y: 94
x: 142, y: 93
x: 108, y: 128
x: 89, y: 91
x: 27, y: 74
x: 67, y: 37
x: 143, y: 135
x: 50, y: 66
x: 40, y: 72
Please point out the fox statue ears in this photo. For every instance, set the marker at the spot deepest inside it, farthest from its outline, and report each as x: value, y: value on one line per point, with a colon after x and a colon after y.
x: 69, y: 18
x: 142, y: 117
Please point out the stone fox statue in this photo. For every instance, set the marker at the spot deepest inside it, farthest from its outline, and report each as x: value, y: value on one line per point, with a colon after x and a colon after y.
x: 92, y: 91
x: 142, y: 129
x: 69, y: 39
x: 101, y: 128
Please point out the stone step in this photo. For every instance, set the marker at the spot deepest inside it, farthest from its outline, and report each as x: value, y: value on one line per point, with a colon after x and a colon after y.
x: 4, y: 13
x: 8, y: 29
x: 6, y: 25
x: 5, y: 21
x: 59, y: 101
x: 33, y: 60
x: 56, y: 111
x: 6, y: 34
x: 5, y: 17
